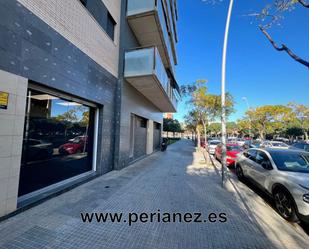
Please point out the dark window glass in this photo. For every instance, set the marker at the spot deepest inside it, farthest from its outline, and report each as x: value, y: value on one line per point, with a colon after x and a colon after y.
x: 233, y: 148
x: 251, y: 154
x: 291, y: 161
x: 158, y: 126
x: 143, y: 122
x: 299, y: 146
x: 260, y: 157
x: 58, y: 141
x: 110, y: 28
x: 214, y: 142
x: 100, y: 13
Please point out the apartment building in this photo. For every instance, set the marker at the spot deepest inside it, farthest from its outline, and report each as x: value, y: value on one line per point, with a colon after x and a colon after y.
x: 83, y: 88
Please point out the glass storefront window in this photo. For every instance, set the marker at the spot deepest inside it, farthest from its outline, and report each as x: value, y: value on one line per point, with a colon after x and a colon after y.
x: 58, y: 141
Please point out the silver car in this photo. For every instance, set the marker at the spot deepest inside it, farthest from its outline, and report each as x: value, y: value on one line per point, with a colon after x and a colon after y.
x: 274, y: 144
x: 212, y: 146
x: 284, y: 174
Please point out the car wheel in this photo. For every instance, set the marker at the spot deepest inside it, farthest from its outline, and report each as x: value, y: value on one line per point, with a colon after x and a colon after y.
x: 239, y: 173
x: 285, y: 205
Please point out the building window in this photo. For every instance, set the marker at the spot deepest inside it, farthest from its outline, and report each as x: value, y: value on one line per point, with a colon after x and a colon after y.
x: 58, y: 140
x: 143, y: 123
x: 110, y: 28
x: 101, y: 14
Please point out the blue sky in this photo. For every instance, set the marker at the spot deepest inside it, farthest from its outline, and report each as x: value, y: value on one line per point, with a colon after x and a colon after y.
x: 254, y: 68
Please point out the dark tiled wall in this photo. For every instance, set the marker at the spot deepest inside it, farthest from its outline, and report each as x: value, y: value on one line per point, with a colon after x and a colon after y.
x: 30, y: 48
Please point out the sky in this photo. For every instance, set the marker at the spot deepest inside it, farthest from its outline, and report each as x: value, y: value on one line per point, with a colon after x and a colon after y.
x: 255, y: 70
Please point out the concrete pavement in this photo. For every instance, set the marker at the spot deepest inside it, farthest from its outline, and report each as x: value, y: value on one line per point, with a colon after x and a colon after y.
x: 177, y: 180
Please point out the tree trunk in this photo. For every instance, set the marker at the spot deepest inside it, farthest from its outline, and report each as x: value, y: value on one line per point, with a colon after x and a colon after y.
x: 198, y: 139
x: 205, y: 137
x: 306, y: 135
x: 262, y: 135
x: 205, y: 131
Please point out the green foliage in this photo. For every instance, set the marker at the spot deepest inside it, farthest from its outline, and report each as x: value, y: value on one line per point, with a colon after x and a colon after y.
x: 171, y: 125
x: 215, y: 128
x: 206, y: 106
x: 290, y: 120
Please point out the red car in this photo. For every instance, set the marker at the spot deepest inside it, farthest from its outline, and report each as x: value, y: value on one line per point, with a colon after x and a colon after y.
x: 74, y: 146
x: 203, y: 144
x: 231, y: 153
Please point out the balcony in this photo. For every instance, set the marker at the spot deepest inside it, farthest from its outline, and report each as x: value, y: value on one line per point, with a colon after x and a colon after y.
x: 148, y: 22
x: 145, y: 71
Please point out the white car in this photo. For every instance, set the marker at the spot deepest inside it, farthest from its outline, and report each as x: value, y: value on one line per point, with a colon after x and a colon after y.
x: 241, y: 142
x: 283, y: 174
x: 212, y: 146
x: 274, y: 145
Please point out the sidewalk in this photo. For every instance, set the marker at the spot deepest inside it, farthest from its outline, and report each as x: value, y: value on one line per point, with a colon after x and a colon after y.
x: 177, y: 180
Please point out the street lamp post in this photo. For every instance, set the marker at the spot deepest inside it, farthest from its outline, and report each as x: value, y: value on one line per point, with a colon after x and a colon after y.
x: 223, y: 95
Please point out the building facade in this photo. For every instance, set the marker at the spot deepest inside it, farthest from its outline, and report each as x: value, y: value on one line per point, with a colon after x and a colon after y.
x: 83, y: 85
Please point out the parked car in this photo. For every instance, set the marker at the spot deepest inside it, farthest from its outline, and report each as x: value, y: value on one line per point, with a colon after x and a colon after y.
x: 251, y: 144
x: 300, y: 146
x: 74, y: 146
x: 231, y: 153
x: 212, y: 146
x: 282, y: 139
x: 37, y: 150
x: 203, y: 144
x: 274, y: 144
x: 283, y: 174
x: 241, y: 142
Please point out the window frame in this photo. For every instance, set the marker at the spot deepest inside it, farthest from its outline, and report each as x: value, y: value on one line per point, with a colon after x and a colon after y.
x: 54, y: 92
x: 265, y: 158
x: 104, y: 29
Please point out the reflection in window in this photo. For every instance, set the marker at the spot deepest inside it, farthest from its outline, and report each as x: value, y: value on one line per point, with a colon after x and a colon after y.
x: 57, y: 143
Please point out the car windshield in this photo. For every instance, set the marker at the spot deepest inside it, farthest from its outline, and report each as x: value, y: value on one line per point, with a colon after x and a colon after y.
x: 291, y: 161
x: 233, y: 148
x: 214, y: 142
x: 301, y: 146
x: 278, y: 144
x: 76, y: 140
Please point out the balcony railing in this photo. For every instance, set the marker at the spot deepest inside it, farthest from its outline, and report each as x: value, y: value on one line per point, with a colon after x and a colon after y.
x: 148, y: 22
x: 145, y: 71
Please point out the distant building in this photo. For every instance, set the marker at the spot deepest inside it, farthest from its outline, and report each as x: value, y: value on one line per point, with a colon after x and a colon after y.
x: 168, y: 115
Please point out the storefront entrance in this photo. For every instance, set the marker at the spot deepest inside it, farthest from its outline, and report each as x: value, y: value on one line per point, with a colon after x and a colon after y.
x: 58, y: 139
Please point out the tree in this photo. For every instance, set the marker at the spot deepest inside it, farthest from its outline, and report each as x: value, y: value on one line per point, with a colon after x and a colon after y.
x: 269, y: 119
x: 68, y: 118
x: 215, y: 128
x: 302, y: 116
x: 244, y: 127
x: 207, y: 107
x: 232, y: 129
x: 271, y: 15
x: 192, y: 121
x: 293, y: 132
x: 171, y: 125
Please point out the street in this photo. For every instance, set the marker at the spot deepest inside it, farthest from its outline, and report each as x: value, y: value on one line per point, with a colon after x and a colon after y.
x: 177, y: 180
